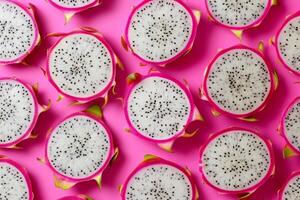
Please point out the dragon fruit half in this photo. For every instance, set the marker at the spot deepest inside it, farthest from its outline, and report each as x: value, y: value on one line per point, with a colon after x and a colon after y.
x: 159, y: 108
x: 14, y: 181
x: 291, y: 188
x: 19, y: 33
x: 72, y: 7
x: 159, y: 31
x: 156, y: 178
x: 19, y: 112
x: 236, y: 161
x: 239, y: 82
x: 239, y: 15
x: 81, y: 65
x: 287, y: 43
x: 78, y: 149
x: 290, y: 128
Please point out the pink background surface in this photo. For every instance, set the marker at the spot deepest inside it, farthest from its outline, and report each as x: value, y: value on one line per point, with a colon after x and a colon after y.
x: 110, y: 19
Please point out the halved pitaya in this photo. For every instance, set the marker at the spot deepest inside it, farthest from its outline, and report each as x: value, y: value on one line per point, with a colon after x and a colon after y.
x: 159, y: 31
x: 238, y: 82
x: 79, y: 149
x: 79, y: 197
x: 19, y: 33
x: 72, y: 7
x: 156, y: 178
x: 160, y: 108
x: 238, y: 15
x: 14, y: 181
x: 291, y: 188
x: 237, y: 161
x: 290, y: 128
x: 19, y: 111
x: 287, y: 43
x: 81, y: 65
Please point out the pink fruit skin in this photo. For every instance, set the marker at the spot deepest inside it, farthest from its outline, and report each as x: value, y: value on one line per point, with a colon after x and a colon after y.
x: 253, y: 24
x: 182, y: 86
x: 293, y: 175
x: 71, y: 198
x: 34, y: 43
x: 247, y: 190
x: 158, y: 161
x: 297, y: 14
x: 262, y: 106
x: 282, y: 125
x: 78, y: 9
x: 36, y: 113
x: 188, y: 46
x: 98, y: 95
x: 105, y: 164
x: 23, y: 172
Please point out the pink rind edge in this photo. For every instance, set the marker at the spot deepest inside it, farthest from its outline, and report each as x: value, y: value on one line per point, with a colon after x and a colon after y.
x: 178, y: 55
x: 23, y: 172
x: 36, y: 113
x: 107, y: 87
x: 246, y: 190
x: 77, y: 9
x: 101, y: 169
x: 283, y: 131
x: 263, y: 104
x: 34, y: 43
x: 293, y: 175
x: 179, y: 84
x: 251, y: 25
x: 297, y: 14
x: 158, y: 161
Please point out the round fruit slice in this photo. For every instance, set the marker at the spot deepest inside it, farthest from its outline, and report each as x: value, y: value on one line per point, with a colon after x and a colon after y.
x: 291, y: 189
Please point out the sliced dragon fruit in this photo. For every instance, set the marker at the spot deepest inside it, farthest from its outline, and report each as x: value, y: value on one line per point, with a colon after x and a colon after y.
x: 291, y: 188
x: 236, y: 161
x: 18, y: 113
x: 14, y: 181
x: 159, y: 108
x: 239, y: 82
x: 19, y: 33
x: 159, y: 32
x: 81, y: 65
x: 287, y: 43
x: 156, y: 178
x: 290, y: 128
x: 79, y: 149
x: 238, y: 15
x: 72, y: 7
x: 79, y: 197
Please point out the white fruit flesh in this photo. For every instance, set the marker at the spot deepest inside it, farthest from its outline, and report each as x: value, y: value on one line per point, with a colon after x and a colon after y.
x: 17, y: 31
x: 292, y: 189
x: 158, y: 108
x: 78, y: 147
x: 17, y: 110
x: 73, y: 3
x: 236, y: 160
x: 159, y: 181
x: 160, y: 30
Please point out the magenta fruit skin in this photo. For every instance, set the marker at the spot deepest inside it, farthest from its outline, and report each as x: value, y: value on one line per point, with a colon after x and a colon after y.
x: 36, y: 114
x: 179, y: 133
x: 157, y: 161
x: 34, y: 43
x: 99, y: 94
x: 251, y: 25
x: 246, y: 190
x: 179, y: 54
x: 263, y: 104
x: 297, y: 14
x: 100, y: 170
